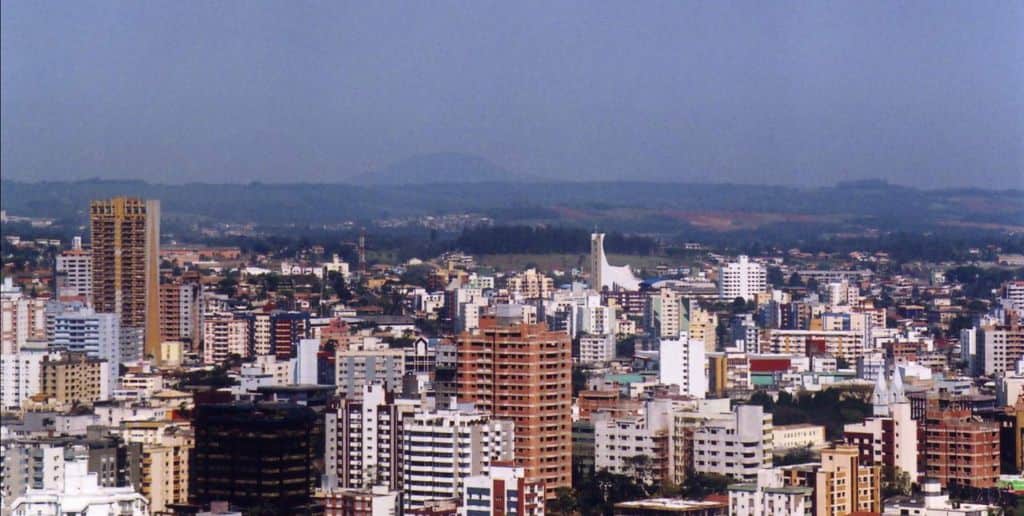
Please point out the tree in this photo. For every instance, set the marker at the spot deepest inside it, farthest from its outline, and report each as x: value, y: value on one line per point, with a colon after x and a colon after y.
x: 794, y: 280
x: 579, y: 380
x: 564, y: 502
x: 642, y: 467
x: 698, y: 486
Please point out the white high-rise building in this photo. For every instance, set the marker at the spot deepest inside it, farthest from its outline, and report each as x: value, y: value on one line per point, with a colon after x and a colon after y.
x: 19, y: 374
x: 363, y: 440
x: 22, y: 318
x: 681, y: 362
x: 305, y: 362
x: 597, y: 349
x: 74, y: 272
x: 737, y: 444
x: 441, y: 449
x: 224, y: 335
x: 742, y: 278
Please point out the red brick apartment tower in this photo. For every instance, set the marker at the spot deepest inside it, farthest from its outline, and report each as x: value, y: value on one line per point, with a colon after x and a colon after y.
x: 523, y: 372
x: 960, y: 449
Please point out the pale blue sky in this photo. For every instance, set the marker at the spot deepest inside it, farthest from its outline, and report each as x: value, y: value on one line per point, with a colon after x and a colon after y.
x: 929, y: 93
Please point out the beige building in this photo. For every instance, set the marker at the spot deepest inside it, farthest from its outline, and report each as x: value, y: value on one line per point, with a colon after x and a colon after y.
x: 74, y: 379
x: 126, y: 265
x: 843, y: 485
x: 798, y: 436
x: 530, y: 284
x: 164, y: 466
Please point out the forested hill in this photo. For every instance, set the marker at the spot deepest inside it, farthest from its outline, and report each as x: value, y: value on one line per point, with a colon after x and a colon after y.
x: 581, y: 203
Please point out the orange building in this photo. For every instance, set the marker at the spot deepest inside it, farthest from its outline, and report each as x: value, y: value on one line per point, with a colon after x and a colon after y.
x: 960, y: 449
x: 126, y: 265
x: 523, y: 373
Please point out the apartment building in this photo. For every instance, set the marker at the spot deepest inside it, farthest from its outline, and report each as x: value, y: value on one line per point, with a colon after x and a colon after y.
x: 502, y: 490
x: 363, y: 439
x: 960, y: 449
x: 164, y: 462
x: 742, y: 278
x: 736, y: 444
x: 844, y: 485
x: 522, y: 372
x: 22, y: 318
x: 769, y: 496
x: 442, y: 448
x: 224, y: 335
x: 74, y: 378
x: 126, y: 264
x: 597, y: 349
x: 530, y: 284
x: 681, y: 363
x: 74, y: 273
x: 357, y: 369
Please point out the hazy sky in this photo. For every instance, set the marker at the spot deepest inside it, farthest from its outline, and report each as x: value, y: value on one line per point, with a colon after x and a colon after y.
x: 928, y: 93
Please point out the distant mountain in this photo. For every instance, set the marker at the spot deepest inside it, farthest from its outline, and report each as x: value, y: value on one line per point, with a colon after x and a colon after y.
x: 442, y: 167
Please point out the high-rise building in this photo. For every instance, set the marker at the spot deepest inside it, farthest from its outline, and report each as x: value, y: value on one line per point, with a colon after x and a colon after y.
x: 999, y: 348
x: 255, y: 456
x: 522, y: 372
x: 126, y: 265
x: 163, y: 461
x: 224, y: 335
x: 363, y: 439
x: 22, y: 318
x: 180, y: 313
x: 737, y: 445
x: 742, y: 278
x: 19, y: 375
x: 442, y: 448
x: 843, y: 485
x: 681, y: 362
x: 664, y: 314
x: 74, y: 273
x: 958, y: 449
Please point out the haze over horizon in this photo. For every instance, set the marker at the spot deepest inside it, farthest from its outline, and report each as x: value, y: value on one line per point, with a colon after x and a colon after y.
x: 917, y: 93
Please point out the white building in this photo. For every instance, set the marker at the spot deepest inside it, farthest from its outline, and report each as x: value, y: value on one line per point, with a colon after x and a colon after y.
x: 742, y: 278
x: 224, y: 335
x: 363, y: 440
x: 505, y: 484
x: 20, y: 374
x: 80, y: 494
x: 933, y: 502
x: 74, y: 273
x: 22, y: 318
x: 355, y: 370
x: 442, y: 448
x: 597, y: 349
x: 681, y: 362
x: 603, y: 275
x: 769, y: 496
x: 737, y: 445
x: 305, y: 362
